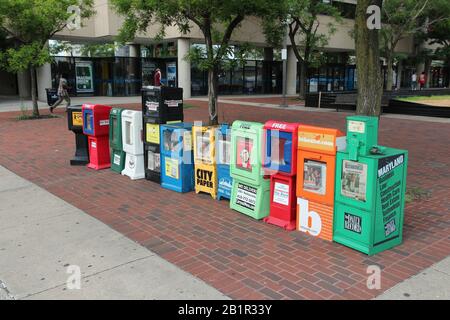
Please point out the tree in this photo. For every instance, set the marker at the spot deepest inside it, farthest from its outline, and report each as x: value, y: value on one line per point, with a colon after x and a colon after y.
x: 402, y: 18
x: 439, y: 32
x: 368, y: 60
x: 216, y: 19
x: 302, y: 20
x: 30, y: 24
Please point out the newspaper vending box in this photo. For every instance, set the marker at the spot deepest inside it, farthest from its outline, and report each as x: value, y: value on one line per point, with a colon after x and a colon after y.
x: 115, y: 140
x: 177, y: 164
x: 370, y: 190
x: 96, y: 127
x: 251, y: 189
x: 75, y: 124
x: 223, y: 153
x: 280, y: 161
x: 204, y: 160
x: 133, y: 144
x: 160, y: 105
x: 317, y: 149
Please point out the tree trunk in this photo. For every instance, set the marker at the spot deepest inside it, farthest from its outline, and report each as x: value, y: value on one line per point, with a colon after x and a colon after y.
x: 302, y: 79
x: 33, y: 92
x: 370, y: 83
x: 390, y: 72
x: 213, y: 96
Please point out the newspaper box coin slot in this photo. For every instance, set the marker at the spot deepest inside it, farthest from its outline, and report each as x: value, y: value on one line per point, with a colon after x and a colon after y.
x: 251, y: 189
x: 225, y: 182
x: 75, y: 124
x: 317, y: 149
x: 133, y: 146
x: 177, y: 165
x: 160, y: 105
x: 280, y: 162
x: 96, y: 127
x: 205, y: 160
x: 115, y: 140
x: 370, y: 190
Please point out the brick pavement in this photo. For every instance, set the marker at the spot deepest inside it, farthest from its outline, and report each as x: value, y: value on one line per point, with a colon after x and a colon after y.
x: 244, y: 258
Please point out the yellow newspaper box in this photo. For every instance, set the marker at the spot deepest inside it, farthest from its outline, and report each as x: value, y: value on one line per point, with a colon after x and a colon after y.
x: 205, y: 160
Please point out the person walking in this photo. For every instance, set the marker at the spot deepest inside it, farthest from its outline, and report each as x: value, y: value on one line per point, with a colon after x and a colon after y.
x: 157, y: 78
x: 63, y: 94
x: 422, y: 80
x: 414, y: 81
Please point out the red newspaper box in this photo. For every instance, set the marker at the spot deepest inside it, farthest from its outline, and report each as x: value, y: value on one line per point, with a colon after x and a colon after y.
x: 280, y: 161
x: 96, y: 127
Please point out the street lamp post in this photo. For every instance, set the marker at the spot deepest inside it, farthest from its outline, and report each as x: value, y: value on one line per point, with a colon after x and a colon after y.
x: 284, y: 56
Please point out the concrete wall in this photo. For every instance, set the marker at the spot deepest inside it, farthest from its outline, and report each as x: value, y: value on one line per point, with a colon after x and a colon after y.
x: 105, y: 25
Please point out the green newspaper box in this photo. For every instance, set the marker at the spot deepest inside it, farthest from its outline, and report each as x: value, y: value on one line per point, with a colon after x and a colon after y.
x: 115, y: 140
x: 370, y: 190
x: 251, y: 190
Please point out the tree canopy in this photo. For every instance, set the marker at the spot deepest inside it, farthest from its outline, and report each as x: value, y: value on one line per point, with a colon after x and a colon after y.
x: 28, y: 25
x: 216, y: 19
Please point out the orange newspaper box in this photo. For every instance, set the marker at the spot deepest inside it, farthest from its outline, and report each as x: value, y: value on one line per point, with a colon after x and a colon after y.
x: 316, y: 165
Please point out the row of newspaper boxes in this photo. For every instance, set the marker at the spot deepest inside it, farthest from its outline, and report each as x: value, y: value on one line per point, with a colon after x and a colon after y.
x: 342, y: 188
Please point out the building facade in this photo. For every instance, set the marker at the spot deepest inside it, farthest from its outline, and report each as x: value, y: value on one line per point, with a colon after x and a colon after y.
x: 133, y: 67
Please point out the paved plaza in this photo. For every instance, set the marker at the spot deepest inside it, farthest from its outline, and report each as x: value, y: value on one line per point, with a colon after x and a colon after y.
x: 228, y: 253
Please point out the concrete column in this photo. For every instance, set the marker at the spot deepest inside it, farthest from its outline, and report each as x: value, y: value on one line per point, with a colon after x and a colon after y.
x: 44, y: 80
x: 24, y: 84
x: 135, y: 50
x: 291, y: 72
x: 184, y: 67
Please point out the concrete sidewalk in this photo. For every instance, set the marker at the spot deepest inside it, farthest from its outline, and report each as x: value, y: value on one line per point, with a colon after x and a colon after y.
x: 431, y: 284
x: 42, y: 235
x: 14, y: 104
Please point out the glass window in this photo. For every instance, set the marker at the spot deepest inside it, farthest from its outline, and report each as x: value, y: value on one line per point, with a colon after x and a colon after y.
x: 277, y: 146
x: 315, y: 177
x: 171, y: 141
x: 250, y: 77
x: 244, y: 154
x: 203, y: 148
x: 237, y: 80
x: 89, y: 122
x: 154, y: 161
x: 128, y: 133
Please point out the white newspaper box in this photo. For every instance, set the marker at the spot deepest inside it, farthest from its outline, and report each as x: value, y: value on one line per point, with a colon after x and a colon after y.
x: 133, y: 144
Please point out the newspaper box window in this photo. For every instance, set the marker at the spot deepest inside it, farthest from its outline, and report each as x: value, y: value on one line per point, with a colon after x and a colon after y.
x: 205, y: 160
x: 115, y: 140
x: 223, y: 146
x: 177, y: 164
x: 251, y: 189
x: 96, y: 127
x: 133, y: 144
x: 75, y: 124
x: 317, y: 148
x: 370, y: 190
x: 280, y: 162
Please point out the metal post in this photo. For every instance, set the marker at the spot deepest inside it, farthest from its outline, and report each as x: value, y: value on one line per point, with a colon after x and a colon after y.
x: 320, y: 99
x: 284, y: 56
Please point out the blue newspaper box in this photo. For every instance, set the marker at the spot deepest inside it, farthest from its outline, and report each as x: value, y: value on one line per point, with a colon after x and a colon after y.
x: 177, y: 165
x: 223, y: 140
